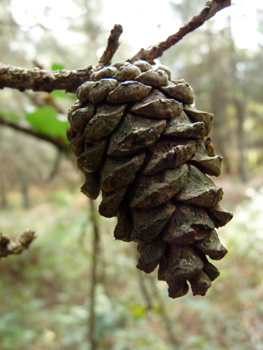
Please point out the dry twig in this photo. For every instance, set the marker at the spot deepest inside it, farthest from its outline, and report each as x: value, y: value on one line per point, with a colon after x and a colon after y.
x: 8, y: 246
x: 112, y: 46
x: 153, y: 52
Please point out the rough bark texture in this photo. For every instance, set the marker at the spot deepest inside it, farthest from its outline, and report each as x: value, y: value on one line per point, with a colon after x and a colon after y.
x: 41, y: 80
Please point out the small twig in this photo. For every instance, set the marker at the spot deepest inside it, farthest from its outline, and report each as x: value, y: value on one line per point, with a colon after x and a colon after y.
x: 153, y: 52
x: 56, y: 141
x: 144, y: 291
x: 112, y: 46
x: 94, y: 277
x: 8, y: 246
x: 86, y: 251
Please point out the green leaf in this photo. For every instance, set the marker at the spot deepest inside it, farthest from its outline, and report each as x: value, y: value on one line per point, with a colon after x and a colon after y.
x: 57, y: 66
x: 44, y: 119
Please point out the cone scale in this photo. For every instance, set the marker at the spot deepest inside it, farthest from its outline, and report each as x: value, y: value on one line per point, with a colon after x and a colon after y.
x: 144, y: 147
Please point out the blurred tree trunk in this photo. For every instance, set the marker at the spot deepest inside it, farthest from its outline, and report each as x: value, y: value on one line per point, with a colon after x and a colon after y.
x: 24, y: 192
x: 3, y: 198
x: 240, y: 107
x: 218, y: 99
x: 239, y: 102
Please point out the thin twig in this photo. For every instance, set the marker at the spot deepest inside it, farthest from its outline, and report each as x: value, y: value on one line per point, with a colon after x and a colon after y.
x: 144, y: 290
x: 112, y: 46
x: 153, y: 52
x: 86, y: 251
x: 94, y: 277
x: 56, y: 141
x: 8, y: 246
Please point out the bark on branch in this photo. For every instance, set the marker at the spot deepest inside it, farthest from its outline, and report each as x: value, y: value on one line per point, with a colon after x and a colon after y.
x: 42, y: 80
x: 112, y: 46
x: 8, y: 246
x: 69, y: 80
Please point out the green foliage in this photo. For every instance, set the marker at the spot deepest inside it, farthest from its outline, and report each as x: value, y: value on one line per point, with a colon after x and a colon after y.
x: 46, y: 120
x: 62, y: 94
x: 57, y: 66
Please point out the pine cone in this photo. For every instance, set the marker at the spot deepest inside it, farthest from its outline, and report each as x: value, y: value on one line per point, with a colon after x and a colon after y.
x: 140, y: 141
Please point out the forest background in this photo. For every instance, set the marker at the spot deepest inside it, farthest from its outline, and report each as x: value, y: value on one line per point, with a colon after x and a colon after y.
x: 46, y: 292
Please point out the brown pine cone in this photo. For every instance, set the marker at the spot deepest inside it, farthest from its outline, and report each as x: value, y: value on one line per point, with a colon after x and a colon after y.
x: 140, y: 141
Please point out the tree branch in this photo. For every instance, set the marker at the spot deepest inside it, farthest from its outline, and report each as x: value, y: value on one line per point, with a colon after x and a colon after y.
x: 8, y: 247
x: 112, y: 46
x: 42, y: 80
x: 56, y: 141
x: 69, y: 80
x: 153, y: 52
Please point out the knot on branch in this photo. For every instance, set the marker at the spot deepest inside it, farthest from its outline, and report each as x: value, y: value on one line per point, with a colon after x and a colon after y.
x: 8, y: 246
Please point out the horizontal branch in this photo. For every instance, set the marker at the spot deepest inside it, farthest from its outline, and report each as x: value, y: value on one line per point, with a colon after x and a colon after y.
x: 153, y: 52
x: 69, y: 80
x: 42, y: 80
x: 8, y: 246
x: 56, y: 141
